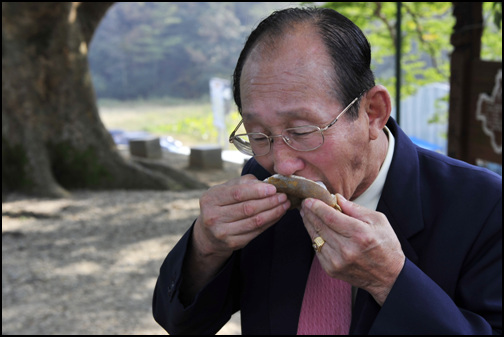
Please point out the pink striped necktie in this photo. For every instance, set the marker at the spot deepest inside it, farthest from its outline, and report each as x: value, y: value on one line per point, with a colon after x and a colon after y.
x: 327, y: 304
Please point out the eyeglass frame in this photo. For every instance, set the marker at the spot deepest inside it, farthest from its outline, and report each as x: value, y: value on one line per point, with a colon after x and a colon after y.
x: 270, y: 138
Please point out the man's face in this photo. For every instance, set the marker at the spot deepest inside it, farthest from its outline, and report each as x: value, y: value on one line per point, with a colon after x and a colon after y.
x: 289, y: 86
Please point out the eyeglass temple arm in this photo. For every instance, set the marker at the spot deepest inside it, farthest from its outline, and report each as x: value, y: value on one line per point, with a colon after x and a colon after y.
x: 341, y: 113
x: 234, y: 131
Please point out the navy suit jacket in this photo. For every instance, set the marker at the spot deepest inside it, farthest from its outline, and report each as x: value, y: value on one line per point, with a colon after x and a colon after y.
x: 447, y: 215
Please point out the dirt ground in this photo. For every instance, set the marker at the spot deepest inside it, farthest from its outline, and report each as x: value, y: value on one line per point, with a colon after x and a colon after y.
x: 88, y: 264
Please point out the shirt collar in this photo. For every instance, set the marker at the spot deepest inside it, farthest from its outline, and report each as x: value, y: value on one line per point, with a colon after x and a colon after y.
x: 371, y: 196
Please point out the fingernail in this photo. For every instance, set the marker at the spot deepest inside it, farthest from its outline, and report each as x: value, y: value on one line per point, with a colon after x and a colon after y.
x: 309, y: 203
x: 269, y: 189
x: 341, y: 197
x: 282, y: 197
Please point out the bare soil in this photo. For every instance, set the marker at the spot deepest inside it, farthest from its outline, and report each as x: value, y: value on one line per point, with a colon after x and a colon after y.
x: 88, y: 264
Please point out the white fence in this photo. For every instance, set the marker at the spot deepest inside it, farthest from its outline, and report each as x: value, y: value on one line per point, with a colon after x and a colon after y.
x: 418, y: 109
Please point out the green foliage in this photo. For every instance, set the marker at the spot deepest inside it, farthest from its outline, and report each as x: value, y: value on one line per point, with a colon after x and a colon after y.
x: 426, y: 29
x: 198, y: 128
x: 491, y: 40
x: 158, y: 49
x: 496, y: 13
x: 149, y: 50
x: 189, y: 121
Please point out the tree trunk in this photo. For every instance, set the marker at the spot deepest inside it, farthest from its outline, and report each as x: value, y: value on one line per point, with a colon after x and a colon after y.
x: 52, y: 135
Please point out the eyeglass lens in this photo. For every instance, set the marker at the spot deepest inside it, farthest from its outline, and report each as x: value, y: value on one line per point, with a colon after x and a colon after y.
x: 305, y: 138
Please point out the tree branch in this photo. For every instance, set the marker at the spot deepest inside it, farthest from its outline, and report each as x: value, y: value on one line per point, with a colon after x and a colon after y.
x: 379, y: 14
x: 89, y: 15
x: 430, y: 50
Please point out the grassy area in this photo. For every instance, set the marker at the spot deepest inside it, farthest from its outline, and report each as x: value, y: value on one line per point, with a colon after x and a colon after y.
x: 190, y: 122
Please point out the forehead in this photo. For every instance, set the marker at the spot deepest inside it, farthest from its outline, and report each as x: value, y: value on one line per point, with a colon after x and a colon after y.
x: 289, y: 77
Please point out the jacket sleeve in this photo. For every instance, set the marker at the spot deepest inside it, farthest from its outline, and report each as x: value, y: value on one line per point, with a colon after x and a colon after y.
x: 211, y: 308
x: 214, y: 305
x: 417, y: 303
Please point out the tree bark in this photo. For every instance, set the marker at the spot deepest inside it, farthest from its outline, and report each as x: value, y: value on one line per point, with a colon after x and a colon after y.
x: 52, y: 135
x: 466, y: 40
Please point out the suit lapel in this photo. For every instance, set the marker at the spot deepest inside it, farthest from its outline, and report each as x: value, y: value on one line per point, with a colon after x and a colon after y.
x: 400, y: 202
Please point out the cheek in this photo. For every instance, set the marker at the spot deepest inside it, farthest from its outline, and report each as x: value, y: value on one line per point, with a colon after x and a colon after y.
x: 344, y: 152
x: 356, y: 162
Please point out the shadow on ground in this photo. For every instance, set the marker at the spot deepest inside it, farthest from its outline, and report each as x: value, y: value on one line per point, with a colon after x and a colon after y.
x: 88, y: 264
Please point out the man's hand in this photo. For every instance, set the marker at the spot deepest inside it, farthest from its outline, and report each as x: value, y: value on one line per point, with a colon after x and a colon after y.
x: 360, y: 247
x: 231, y: 215
x: 236, y: 212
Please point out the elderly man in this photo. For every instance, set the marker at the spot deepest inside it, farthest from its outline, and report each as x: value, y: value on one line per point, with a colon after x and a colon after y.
x: 417, y: 247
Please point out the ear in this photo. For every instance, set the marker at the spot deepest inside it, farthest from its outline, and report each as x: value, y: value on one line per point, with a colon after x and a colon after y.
x: 378, y: 108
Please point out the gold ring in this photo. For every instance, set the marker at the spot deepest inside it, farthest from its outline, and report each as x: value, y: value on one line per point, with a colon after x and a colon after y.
x: 318, y: 242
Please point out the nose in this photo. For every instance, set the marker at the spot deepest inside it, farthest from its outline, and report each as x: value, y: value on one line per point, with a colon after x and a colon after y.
x: 286, y: 160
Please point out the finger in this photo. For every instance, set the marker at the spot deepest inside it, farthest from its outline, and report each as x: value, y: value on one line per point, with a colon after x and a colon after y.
x: 311, y: 221
x: 262, y: 220
x: 251, y: 208
x: 323, y: 217
x: 242, y: 190
x: 238, y: 234
x: 214, y: 214
x: 332, y: 254
x: 354, y: 210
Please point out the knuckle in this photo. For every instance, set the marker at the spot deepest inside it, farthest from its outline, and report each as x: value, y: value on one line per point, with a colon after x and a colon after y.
x: 350, y: 256
x: 236, y: 193
x: 221, y: 235
x: 233, y: 244
x: 248, y: 209
x: 210, y: 219
x: 381, y: 217
x: 365, y: 241
x: 358, y: 237
x: 336, y: 265
x: 257, y: 221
